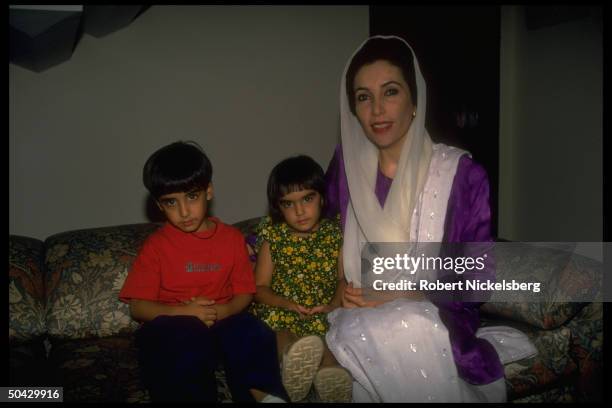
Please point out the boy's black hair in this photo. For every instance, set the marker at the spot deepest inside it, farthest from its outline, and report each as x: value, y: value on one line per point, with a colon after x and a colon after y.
x: 294, y: 174
x: 393, y: 50
x: 177, y: 167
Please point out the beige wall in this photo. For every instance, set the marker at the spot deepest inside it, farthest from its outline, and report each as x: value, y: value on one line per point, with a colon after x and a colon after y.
x: 551, y: 130
x: 251, y: 84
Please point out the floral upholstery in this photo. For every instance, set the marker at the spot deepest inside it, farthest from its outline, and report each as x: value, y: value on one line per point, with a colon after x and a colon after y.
x: 564, y: 281
x: 85, y: 271
x: 26, y: 289
x: 544, y: 370
x: 586, y: 348
x: 105, y: 369
x: 65, y: 291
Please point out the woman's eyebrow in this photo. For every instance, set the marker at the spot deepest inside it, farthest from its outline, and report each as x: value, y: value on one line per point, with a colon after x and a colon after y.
x: 391, y: 83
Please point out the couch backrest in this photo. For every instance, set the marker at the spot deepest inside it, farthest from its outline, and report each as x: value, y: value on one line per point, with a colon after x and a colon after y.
x: 567, y: 280
x: 84, y: 272
x: 26, y: 289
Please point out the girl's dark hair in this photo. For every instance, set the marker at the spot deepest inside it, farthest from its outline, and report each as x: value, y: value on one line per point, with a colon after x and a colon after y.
x: 177, y: 167
x: 294, y: 174
x: 393, y: 50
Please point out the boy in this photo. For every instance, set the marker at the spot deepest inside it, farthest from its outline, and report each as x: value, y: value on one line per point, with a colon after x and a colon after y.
x: 189, y: 286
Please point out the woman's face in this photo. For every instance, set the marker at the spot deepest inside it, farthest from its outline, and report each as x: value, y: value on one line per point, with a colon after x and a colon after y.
x: 383, y: 104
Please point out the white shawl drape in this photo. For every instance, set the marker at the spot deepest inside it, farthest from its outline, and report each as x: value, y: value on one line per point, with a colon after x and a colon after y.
x: 366, y: 221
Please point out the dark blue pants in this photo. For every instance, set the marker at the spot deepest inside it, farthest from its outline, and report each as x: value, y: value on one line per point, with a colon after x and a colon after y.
x: 178, y: 356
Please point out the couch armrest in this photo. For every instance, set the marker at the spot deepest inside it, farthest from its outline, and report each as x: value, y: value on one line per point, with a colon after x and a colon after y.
x: 26, y: 289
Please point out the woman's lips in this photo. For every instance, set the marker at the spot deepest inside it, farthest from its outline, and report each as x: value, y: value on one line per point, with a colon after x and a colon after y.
x: 381, y: 127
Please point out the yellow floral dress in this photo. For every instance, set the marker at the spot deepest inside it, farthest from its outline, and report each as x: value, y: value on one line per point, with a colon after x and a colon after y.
x: 305, y: 271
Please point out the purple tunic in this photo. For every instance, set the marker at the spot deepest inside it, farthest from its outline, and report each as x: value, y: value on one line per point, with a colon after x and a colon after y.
x: 468, y: 219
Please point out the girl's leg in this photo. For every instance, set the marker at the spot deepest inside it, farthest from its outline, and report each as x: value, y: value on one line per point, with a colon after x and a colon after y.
x: 284, y: 339
x: 328, y: 359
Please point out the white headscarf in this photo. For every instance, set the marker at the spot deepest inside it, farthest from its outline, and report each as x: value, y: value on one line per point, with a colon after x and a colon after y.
x: 366, y: 221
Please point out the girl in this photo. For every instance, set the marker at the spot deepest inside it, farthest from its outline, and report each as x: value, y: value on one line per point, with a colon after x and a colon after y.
x: 299, y: 279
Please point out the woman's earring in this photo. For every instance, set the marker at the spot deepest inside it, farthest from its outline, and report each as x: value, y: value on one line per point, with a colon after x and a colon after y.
x: 414, y: 114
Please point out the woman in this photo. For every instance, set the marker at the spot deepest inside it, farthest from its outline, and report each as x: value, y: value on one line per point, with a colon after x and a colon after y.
x: 390, y: 183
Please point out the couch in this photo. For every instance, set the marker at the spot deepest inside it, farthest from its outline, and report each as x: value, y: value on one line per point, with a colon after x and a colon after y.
x: 67, y: 327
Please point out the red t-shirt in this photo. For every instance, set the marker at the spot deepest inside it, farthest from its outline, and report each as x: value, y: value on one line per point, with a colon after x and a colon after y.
x: 173, y: 266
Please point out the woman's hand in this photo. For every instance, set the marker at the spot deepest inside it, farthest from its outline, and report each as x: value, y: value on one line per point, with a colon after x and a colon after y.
x: 353, y: 297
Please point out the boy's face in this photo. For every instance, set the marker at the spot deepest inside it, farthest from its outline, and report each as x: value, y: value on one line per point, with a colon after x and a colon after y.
x: 301, y: 210
x: 187, y: 210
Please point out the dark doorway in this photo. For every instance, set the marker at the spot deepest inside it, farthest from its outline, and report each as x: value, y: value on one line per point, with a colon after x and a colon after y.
x: 458, y: 51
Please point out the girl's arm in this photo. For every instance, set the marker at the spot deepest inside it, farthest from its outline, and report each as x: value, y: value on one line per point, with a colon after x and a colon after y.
x: 263, y: 279
x: 337, y: 299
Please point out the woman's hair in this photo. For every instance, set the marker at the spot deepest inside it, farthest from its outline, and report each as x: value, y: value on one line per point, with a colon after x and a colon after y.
x: 177, y: 167
x: 393, y: 50
x: 290, y: 175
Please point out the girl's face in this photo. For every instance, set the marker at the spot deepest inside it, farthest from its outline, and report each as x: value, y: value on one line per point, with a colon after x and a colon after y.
x: 383, y: 104
x: 301, y: 210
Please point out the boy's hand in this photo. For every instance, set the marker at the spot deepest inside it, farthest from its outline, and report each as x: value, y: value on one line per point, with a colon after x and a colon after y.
x: 222, y: 311
x: 201, y: 300
x: 200, y: 308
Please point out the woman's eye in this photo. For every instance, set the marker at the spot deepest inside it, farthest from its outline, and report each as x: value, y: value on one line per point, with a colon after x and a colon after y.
x: 285, y: 204
x: 169, y: 203
x: 193, y: 196
x: 362, y: 97
x: 308, y: 199
x: 391, y: 92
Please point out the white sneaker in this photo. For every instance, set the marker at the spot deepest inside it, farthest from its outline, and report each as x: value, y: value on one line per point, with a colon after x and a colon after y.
x: 300, y: 364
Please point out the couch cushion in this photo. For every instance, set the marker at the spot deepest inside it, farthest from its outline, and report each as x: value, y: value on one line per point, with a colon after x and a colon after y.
x: 562, y: 393
x: 566, y: 280
x: 586, y: 348
x: 248, y: 227
x: 551, y: 365
x: 26, y: 289
x: 548, y: 368
x: 85, y: 270
x: 105, y: 370
x: 96, y: 370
